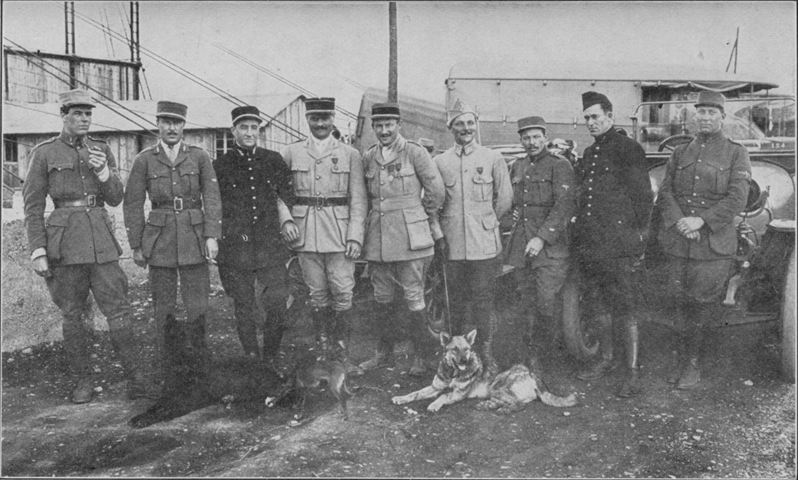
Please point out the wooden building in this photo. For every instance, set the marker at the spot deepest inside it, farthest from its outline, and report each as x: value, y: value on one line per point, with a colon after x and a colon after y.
x: 131, y: 129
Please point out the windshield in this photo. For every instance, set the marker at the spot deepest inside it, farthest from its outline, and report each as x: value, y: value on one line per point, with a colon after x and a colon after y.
x: 757, y: 123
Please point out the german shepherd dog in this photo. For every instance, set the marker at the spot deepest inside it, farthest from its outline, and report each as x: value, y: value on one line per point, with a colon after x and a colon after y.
x: 461, y: 370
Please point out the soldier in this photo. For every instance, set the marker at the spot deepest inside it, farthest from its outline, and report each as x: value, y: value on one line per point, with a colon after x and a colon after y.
x: 706, y: 185
x: 253, y: 182
x: 610, y: 230
x: 179, y: 238
x: 75, y: 249
x: 330, y: 211
x: 544, y: 202
x: 478, y: 193
x: 399, y: 245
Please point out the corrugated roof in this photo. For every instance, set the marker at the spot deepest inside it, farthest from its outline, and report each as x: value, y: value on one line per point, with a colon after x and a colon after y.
x: 622, y: 70
x: 203, y: 113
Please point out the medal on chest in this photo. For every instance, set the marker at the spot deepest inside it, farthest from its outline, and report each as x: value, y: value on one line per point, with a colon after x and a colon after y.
x: 335, y: 164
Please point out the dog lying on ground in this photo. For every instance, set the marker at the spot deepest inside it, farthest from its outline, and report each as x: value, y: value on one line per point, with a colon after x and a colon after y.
x: 310, y: 373
x: 235, y: 380
x: 461, y: 370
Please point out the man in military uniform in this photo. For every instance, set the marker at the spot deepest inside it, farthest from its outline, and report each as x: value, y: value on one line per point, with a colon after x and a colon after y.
x: 253, y: 183
x: 75, y: 249
x: 544, y: 202
x: 610, y: 231
x: 399, y: 245
x: 330, y: 211
x: 478, y: 193
x: 706, y: 185
x: 429, y: 145
x: 179, y: 237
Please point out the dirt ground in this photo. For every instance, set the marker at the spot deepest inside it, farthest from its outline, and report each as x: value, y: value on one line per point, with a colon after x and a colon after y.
x: 740, y: 422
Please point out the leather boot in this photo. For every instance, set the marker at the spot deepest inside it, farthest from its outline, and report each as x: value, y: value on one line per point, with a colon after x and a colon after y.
x: 691, y: 375
x: 632, y: 387
x: 76, y: 344
x: 678, y: 359
x: 423, y: 349
x: 199, y: 353
x: 383, y: 323
x: 273, y: 335
x: 139, y: 385
x: 170, y: 349
x: 533, y: 343
x: 487, y: 329
x: 320, y: 316
x: 248, y: 335
x: 605, y: 365
x: 342, y: 333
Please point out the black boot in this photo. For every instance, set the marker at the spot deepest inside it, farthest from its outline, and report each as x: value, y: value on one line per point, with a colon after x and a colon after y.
x: 342, y: 335
x: 487, y: 319
x: 321, y: 318
x: 139, y: 385
x: 423, y: 348
x: 383, y: 324
x: 632, y: 386
x: 76, y: 343
x: 198, y: 353
x: 605, y: 365
x: 690, y: 375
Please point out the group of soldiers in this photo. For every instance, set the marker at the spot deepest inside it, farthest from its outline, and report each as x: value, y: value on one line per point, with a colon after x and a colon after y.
x: 395, y: 206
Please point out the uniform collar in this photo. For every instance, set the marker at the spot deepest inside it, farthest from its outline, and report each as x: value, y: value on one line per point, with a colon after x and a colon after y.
x: 245, y: 152
x: 176, y: 146
x: 711, y: 137
x: 535, y: 158
x: 72, y: 140
x: 606, y: 136
x: 467, y: 149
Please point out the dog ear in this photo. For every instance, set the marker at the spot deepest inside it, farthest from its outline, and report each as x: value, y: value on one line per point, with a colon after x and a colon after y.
x: 445, y: 338
x: 472, y: 335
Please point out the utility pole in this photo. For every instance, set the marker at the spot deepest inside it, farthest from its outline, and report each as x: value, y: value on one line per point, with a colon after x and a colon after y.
x: 69, y: 19
x: 392, y: 62
x: 734, y: 52
x: 135, y: 49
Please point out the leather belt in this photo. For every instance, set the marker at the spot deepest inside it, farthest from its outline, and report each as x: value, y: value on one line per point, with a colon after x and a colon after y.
x: 88, y: 201
x: 178, y: 204
x: 320, y: 202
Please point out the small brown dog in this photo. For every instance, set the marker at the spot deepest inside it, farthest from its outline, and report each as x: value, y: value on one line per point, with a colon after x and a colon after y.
x: 311, y: 372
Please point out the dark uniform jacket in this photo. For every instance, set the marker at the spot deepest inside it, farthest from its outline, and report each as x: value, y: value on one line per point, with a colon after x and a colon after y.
x: 707, y: 178
x: 250, y: 182
x: 545, y: 196
x: 614, y: 198
x: 397, y: 227
x: 59, y: 167
x: 171, y: 237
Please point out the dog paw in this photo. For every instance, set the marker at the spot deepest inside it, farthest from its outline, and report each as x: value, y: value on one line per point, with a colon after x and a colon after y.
x: 398, y: 400
x: 433, y: 407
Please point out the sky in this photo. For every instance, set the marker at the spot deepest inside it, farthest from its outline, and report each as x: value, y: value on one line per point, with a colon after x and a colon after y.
x: 316, y: 44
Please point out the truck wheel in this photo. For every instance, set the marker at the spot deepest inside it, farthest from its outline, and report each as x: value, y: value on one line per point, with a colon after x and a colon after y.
x: 788, y: 322
x: 579, y: 341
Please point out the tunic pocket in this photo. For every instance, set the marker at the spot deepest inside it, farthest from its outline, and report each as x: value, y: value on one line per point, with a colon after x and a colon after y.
x: 300, y: 214
x: 492, y: 241
x: 340, y: 175
x: 301, y: 174
x: 715, y: 176
x: 56, y: 225
x: 152, y: 231
x: 342, y: 219
x: 110, y: 224
x: 62, y: 178
x: 482, y: 189
x: 189, y: 179
x: 418, y: 231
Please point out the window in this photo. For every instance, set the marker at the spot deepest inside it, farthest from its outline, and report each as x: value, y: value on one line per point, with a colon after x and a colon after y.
x: 224, y: 141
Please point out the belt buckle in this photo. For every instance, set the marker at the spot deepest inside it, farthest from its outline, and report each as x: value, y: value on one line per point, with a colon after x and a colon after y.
x: 319, y: 202
x: 177, y: 204
x: 91, y: 200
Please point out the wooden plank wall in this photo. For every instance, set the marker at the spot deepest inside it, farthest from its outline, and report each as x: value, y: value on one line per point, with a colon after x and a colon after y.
x: 274, y: 137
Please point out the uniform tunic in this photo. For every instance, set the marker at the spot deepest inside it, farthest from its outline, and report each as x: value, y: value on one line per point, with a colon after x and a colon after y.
x: 398, y: 224
x: 172, y: 238
x: 336, y: 172
x: 478, y: 193
x: 59, y: 168
x: 614, y: 199
x: 544, y: 194
x: 250, y: 182
x: 707, y: 178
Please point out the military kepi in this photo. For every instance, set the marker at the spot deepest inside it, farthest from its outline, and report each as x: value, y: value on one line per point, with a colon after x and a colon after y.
x: 171, y: 110
x: 711, y: 99
x: 593, y: 98
x: 76, y: 97
x: 385, y: 110
x: 531, y: 122
x: 320, y: 105
x: 246, y: 112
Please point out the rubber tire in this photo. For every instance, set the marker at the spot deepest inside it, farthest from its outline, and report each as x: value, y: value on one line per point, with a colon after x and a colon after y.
x: 576, y: 341
x: 788, y: 322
